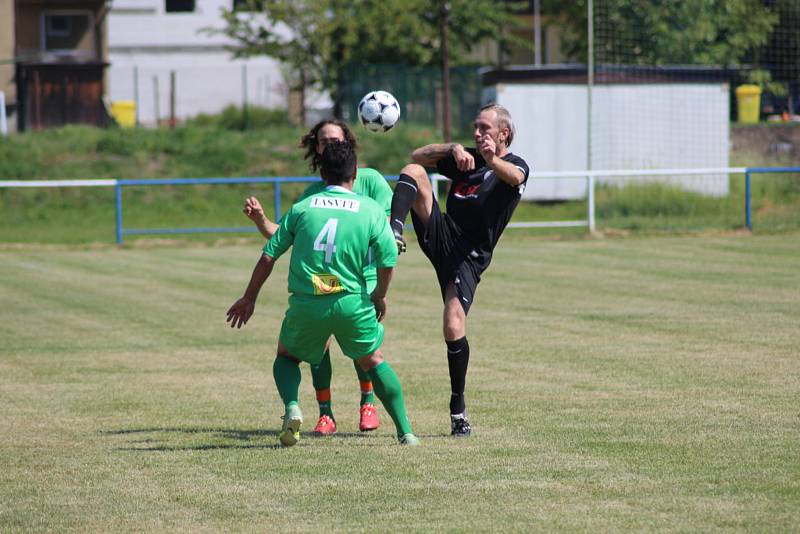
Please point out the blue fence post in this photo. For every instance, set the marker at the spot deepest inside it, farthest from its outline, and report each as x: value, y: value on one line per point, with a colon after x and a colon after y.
x: 748, y: 220
x: 118, y: 191
x: 277, y: 201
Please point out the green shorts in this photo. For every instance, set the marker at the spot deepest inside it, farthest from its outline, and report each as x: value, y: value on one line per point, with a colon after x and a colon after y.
x: 311, y: 320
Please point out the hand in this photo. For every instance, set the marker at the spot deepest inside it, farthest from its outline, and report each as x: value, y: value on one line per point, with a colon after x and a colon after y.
x: 464, y: 160
x: 380, y: 306
x: 240, y: 312
x: 487, y: 148
x: 253, y: 209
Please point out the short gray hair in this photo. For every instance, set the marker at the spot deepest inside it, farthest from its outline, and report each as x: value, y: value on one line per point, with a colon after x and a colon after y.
x: 504, y: 119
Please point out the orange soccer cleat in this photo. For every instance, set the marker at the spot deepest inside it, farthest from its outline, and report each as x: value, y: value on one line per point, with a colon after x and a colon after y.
x: 325, y: 426
x: 369, y: 418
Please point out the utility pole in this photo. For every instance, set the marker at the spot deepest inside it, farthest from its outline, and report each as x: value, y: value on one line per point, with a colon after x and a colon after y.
x: 445, y: 13
x: 537, y: 33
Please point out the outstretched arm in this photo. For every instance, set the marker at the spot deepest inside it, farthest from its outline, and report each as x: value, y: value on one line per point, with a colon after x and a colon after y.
x: 254, y: 212
x: 429, y: 155
x: 243, y: 309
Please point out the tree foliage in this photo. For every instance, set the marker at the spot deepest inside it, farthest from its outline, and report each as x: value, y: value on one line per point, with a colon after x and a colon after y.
x: 316, y: 39
x: 783, y: 51
x: 666, y: 32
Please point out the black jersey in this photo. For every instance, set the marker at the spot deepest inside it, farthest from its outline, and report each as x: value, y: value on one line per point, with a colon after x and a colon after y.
x: 480, y: 203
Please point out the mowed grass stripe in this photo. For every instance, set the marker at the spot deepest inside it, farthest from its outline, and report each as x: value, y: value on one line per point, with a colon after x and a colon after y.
x: 643, y: 384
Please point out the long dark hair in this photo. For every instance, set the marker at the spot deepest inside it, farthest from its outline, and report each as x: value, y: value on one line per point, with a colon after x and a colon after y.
x: 309, y: 141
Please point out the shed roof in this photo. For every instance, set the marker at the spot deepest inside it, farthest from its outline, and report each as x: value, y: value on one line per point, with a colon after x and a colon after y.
x: 608, y: 74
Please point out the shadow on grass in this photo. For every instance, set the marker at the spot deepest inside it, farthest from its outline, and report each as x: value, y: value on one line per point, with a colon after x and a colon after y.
x: 253, y: 437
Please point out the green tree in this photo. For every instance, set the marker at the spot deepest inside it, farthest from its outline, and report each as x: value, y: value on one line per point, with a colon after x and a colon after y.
x: 316, y: 39
x: 782, y: 54
x: 647, y: 32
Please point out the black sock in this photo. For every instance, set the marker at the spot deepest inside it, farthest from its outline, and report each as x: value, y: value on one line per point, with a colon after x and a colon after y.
x: 405, y: 192
x: 457, y: 362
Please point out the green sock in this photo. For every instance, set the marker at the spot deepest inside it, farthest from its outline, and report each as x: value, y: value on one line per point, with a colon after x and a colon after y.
x: 287, y: 377
x: 367, y: 395
x: 390, y: 392
x: 321, y: 378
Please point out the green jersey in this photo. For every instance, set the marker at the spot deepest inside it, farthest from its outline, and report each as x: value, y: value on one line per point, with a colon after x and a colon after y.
x: 332, y: 233
x: 369, y: 183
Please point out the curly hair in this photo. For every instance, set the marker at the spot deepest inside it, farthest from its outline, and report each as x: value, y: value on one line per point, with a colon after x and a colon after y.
x: 309, y: 141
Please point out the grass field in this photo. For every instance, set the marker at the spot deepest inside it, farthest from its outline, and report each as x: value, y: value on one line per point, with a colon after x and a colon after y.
x: 638, y: 384
x: 87, y: 215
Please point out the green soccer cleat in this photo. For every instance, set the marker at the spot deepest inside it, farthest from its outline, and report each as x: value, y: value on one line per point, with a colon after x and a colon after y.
x: 290, y: 433
x: 409, y: 439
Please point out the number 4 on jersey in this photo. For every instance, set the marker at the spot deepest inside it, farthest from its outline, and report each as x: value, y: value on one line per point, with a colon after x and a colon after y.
x: 325, y: 239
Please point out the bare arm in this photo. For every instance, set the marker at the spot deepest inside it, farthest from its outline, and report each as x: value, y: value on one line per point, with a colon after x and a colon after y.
x: 243, y: 309
x: 254, y: 212
x: 429, y: 155
x: 506, y: 171
x: 379, y: 294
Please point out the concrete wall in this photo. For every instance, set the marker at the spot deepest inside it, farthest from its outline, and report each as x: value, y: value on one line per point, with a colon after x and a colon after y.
x: 147, y: 43
x: 634, y: 126
x: 205, y: 82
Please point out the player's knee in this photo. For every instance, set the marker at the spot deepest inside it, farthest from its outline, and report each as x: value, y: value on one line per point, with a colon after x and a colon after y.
x: 283, y: 352
x: 453, y: 325
x: 418, y: 173
x: 368, y: 362
x: 452, y: 333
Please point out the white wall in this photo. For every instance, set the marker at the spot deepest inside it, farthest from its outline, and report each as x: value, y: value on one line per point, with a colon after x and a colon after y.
x: 145, y: 23
x: 205, y: 82
x: 142, y: 35
x: 647, y: 126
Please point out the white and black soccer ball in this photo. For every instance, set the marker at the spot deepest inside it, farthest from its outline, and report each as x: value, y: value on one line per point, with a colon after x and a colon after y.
x: 378, y: 111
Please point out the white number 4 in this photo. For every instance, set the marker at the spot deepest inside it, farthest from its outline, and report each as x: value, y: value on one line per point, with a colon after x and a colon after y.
x: 328, y: 235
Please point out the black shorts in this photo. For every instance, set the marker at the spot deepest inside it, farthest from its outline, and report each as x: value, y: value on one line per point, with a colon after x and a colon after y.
x: 452, y: 255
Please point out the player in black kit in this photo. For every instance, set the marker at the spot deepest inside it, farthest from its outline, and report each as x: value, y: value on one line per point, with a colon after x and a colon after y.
x: 487, y: 183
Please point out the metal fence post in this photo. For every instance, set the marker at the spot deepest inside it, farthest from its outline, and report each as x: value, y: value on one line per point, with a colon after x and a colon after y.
x: 136, y: 93
x: 118, y: 191
x: 748, y: 220
x: 590, y: 200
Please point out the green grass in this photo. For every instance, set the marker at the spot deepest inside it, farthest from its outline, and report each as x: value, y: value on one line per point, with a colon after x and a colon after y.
x: 615, y: 385
x: 214, y: 147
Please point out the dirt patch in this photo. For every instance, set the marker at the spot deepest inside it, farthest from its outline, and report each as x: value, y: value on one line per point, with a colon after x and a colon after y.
x: 765, y: 144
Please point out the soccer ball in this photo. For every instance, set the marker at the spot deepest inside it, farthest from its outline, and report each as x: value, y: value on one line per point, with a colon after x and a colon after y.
x: 378, y: 111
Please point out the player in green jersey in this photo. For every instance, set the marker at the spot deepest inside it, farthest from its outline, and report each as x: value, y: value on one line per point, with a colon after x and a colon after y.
x: 369, y: 183
x: 333, y: 234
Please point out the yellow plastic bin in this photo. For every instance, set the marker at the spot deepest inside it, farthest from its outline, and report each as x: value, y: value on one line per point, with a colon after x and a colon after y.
x: 124, y: 112
x: 748, y: 101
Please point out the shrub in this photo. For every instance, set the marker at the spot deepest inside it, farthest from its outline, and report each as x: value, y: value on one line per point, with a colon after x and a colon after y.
x: 235, y: 118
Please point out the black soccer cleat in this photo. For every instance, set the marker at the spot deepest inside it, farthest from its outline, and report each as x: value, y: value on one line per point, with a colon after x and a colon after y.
x: 399, y: 241
x: 459, y: 426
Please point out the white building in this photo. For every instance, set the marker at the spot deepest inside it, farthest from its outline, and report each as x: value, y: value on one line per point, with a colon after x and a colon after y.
x: 149, y: 39
x: 670, y: 118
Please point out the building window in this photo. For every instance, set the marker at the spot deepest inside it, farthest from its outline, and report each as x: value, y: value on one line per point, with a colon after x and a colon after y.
x: 58, y: 25
x: 248, y: 5
x: 66, y: 31
x: 180, y: 6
